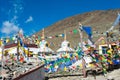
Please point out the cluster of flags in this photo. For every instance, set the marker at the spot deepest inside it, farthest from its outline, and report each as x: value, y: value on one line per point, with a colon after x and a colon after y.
x: 32, y: 39
x: 74, y: 31
x: 66, y: 60
x: 35, y: 39
x: 63, y: 62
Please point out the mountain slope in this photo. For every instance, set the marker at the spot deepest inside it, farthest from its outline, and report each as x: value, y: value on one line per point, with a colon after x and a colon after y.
x: 100, y: 21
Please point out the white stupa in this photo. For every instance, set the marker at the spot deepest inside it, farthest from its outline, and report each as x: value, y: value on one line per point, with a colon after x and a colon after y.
x: 65, y: 46
x: 44, y: 46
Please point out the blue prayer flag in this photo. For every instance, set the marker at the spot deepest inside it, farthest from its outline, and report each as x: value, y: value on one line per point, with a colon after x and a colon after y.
x: 88, y: 30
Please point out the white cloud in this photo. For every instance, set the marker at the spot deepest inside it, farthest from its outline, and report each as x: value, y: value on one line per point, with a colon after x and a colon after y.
x: 9, y: 27
x: 29, y: 19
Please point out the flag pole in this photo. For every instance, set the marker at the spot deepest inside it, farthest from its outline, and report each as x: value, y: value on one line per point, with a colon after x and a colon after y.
x: 2, y: 53
x: 107, y: 38
x: 2, y: 59
x: 119, y: 23
x: 18, y: 47
x: 28, y: 53
x: 83, y: 60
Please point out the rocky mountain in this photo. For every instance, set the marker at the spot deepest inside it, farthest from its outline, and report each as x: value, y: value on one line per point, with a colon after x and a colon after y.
x: 100, y: 21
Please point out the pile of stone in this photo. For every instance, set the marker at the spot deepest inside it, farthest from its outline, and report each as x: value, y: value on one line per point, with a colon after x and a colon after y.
x: 11, y: 70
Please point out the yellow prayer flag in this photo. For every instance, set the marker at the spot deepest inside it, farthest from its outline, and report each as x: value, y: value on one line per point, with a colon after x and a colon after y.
x: 1, y: 43
x: 65, y: 69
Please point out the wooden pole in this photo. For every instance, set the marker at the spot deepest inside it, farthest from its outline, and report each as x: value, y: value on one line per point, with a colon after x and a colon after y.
x: 2, y: 63
x: 18, y: 48
x: 107, y: 38
x: 28, y: 53
x: 2, y: 55
x: 83, y: 60
x: 119, y: 24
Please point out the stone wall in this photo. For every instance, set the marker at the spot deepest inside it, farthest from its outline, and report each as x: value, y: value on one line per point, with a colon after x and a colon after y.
x: 35, y: 74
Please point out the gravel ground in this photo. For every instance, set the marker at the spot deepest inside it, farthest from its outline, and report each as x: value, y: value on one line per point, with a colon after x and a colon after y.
x: 115, y: 75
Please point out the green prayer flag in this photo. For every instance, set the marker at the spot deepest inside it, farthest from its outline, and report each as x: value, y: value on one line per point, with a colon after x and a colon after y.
x: 75, y: 31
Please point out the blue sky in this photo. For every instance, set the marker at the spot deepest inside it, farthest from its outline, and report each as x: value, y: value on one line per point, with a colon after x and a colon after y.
x: 33, y: 15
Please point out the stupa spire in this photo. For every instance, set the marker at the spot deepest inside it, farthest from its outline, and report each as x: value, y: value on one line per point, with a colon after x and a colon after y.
x: 43, y: 34
x: 65, y: 37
